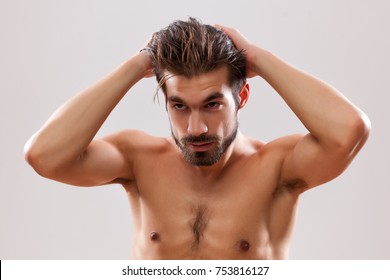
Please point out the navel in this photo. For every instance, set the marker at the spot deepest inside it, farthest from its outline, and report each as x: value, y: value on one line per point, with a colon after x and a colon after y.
x: 244, y: 245
x: 154, y: 236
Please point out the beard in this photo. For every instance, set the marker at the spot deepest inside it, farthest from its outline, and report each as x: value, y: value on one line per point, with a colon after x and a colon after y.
x: 206, y: 158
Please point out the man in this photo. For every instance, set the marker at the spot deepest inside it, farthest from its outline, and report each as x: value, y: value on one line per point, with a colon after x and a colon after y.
x: 207, y: 192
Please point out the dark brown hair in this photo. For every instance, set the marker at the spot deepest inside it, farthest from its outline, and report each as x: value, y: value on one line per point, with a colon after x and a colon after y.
x: 190, y: 48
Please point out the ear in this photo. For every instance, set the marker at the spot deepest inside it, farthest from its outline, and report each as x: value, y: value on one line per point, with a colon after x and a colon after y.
x: 244, y: 95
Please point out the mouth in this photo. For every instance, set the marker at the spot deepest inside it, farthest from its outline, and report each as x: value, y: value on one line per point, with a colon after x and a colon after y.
x: 200, y: 146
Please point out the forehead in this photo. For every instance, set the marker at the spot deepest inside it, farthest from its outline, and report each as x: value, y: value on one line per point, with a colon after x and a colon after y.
x: 199, y: 86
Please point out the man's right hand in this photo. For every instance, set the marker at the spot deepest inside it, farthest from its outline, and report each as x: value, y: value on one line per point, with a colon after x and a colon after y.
x: 146, y: 63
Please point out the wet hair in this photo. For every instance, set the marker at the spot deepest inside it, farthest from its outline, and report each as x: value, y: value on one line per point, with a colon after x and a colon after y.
x: 190, y: 48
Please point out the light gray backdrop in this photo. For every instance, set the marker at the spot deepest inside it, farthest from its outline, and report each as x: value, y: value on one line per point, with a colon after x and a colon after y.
x: 50, y: 50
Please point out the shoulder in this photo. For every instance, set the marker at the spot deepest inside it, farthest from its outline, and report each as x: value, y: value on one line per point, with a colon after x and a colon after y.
x: 265, y: 151
x: 286, y: 142
x: 267, y: 155
x: 279, y: 147
x: 272, y: 156
x: 137, y: 141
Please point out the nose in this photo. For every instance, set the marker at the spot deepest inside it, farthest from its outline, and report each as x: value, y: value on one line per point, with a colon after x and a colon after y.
x: 196, y: 126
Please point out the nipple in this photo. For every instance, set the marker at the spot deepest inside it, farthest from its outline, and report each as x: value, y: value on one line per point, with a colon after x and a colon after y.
x: 244, y: 245
x: 154, y: 236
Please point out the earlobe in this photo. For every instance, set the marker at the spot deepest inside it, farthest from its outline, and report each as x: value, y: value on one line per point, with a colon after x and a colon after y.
x: 244, y: 95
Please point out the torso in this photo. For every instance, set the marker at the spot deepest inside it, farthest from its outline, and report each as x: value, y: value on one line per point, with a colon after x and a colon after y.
x: 240, y: 214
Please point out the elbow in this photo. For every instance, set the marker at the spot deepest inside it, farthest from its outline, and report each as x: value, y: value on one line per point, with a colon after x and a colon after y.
x: 37, y: 159
x: 365, y: 124
x: 33, y: 158
x: 358, y: 132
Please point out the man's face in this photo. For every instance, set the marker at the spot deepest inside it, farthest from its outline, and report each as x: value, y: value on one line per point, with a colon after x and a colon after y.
x: 203, y: 115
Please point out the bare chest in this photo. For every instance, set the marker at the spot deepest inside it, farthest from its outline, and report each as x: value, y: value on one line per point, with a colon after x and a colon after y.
x: 183, y: 216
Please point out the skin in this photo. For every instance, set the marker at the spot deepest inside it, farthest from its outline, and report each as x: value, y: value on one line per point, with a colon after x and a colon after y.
x: 241, y: 207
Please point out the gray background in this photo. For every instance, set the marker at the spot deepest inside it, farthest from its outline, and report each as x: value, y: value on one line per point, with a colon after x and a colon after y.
x: 50, y: 50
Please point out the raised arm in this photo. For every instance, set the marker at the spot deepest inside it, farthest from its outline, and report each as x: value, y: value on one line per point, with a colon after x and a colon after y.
x: 337, y: 128
x: 64, y: 149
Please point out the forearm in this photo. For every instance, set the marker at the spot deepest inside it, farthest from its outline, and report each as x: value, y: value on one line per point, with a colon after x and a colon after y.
x: 325, y: 112
x: 68, y: 132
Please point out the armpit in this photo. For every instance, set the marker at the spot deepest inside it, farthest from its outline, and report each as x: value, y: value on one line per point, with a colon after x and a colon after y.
x: 290, y: 186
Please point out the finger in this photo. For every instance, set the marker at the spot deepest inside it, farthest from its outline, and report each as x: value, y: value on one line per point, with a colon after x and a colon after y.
x: 221, y: 27
x: 227, y: 30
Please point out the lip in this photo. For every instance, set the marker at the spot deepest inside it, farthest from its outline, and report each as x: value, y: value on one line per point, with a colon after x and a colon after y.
x: 200, y: 147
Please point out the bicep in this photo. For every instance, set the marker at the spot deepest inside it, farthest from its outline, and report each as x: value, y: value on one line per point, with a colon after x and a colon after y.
x: 309, y: 161
x: 101, y: 163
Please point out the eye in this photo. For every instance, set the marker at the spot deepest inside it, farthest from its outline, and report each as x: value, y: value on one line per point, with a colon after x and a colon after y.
x: 179, y: 107
x: 213, y: 105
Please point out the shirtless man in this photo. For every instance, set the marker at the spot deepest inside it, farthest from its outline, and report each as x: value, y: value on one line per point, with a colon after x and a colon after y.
x: 207, y: 192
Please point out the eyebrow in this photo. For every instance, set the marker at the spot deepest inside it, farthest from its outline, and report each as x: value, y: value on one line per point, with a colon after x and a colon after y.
x: 216, y: 95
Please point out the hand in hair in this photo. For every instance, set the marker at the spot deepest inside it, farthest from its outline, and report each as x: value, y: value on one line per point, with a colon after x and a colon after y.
x: 146, y: 63
x: 242, y: 43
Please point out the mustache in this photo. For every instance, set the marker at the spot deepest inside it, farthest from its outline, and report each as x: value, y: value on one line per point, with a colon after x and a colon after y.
x: 200, y: 138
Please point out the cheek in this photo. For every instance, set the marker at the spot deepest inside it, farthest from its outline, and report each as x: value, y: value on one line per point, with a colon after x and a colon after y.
x: 177, y: 123
x: 225, y: 124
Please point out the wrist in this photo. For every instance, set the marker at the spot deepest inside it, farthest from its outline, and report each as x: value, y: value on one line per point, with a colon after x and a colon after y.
x: 138, y: 66
x: 144, y: 63
x: 261, y: 60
